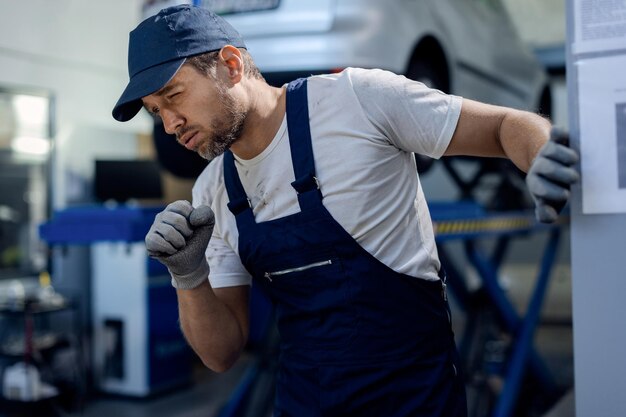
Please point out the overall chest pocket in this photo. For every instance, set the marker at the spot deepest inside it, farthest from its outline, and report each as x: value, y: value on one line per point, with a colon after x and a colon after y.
x: 312, y: 295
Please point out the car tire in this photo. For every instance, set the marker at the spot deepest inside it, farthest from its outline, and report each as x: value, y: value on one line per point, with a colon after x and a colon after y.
x: 427, y: 73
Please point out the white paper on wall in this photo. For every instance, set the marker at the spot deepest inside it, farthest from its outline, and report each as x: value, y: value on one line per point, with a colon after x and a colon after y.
x: 602, y: 107
x: 600, y: 25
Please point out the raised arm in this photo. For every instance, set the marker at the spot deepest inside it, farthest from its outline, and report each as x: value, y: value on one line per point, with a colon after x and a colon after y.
x: 523, y: 137
x: 494, y: 131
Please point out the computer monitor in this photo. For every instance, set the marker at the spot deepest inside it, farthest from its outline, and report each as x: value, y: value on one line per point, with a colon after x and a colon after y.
x: 123, y: 180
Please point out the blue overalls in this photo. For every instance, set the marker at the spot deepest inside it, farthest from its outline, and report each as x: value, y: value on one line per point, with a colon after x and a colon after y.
x: 357, y: 338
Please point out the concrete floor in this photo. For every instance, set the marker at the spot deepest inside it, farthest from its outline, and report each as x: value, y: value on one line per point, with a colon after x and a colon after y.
x: 204, y: 398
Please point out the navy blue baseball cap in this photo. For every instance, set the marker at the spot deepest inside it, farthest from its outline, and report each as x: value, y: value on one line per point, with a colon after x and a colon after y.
x: 158, y: 47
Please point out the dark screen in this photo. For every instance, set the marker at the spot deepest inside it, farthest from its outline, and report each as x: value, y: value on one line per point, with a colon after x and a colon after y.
x: 123, y: 180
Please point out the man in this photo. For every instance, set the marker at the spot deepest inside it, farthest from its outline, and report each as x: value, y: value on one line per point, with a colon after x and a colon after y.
x: 316, y: 200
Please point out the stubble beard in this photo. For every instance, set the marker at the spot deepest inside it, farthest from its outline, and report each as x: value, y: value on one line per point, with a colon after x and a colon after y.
x: 226, y: 131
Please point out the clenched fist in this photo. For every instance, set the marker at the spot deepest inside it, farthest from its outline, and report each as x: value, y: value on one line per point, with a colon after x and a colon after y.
x: 178, y: 238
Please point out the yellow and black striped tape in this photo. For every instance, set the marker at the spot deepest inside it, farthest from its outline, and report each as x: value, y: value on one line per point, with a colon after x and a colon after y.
x: 496, y: 224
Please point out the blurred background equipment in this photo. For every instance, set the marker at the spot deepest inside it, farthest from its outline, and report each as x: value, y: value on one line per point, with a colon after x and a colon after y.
x: 137, y: 346
x: 25, y: 162
x: 40, y: 329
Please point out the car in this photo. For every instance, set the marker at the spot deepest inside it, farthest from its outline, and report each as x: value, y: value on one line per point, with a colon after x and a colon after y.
x: 465, y: 47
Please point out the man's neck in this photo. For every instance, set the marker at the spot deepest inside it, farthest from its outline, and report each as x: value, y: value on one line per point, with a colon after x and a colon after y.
x: 267, y: 110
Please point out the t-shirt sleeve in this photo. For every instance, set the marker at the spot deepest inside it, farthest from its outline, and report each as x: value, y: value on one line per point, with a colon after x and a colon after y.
x: 225, y: 265
x: 413, y: 117
x: 226, y: 269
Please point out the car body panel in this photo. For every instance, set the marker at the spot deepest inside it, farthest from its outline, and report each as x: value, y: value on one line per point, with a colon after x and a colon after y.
x: 484, y: 56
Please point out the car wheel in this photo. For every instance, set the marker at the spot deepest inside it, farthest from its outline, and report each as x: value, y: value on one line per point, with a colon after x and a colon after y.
x: 427, y: 73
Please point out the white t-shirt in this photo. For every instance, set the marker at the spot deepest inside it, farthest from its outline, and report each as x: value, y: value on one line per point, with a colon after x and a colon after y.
x: 365, y: 125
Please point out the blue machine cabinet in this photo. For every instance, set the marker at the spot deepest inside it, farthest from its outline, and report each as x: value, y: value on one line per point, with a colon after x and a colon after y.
x: 137, y: 345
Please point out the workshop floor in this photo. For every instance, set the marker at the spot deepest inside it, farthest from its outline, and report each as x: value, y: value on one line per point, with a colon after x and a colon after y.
x: 210, y: 391
x: 202, y: 399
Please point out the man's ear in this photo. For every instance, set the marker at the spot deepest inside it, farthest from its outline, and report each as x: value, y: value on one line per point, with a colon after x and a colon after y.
x: 230, y: 56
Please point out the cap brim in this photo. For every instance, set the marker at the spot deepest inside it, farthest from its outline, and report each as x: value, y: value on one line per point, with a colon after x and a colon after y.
x: 143, y: 84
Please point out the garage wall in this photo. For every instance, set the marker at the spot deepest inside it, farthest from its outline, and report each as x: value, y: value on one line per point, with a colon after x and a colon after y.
x: 77, y: 50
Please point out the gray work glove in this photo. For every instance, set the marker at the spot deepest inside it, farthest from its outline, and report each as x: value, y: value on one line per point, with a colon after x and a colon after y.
x: 178, y: 238
x: 550, y: 176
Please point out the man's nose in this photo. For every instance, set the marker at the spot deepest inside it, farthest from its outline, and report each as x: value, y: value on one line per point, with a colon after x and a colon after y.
x: 171, y: 121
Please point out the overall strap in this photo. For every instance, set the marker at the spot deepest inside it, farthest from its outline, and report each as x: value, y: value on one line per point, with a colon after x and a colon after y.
x: 306, y: 183
x: 239, y: 203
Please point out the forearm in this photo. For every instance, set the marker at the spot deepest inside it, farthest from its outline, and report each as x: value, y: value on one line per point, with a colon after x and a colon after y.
x: 521, y: 135
x: 211, y: 327
x: 486, y: 130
